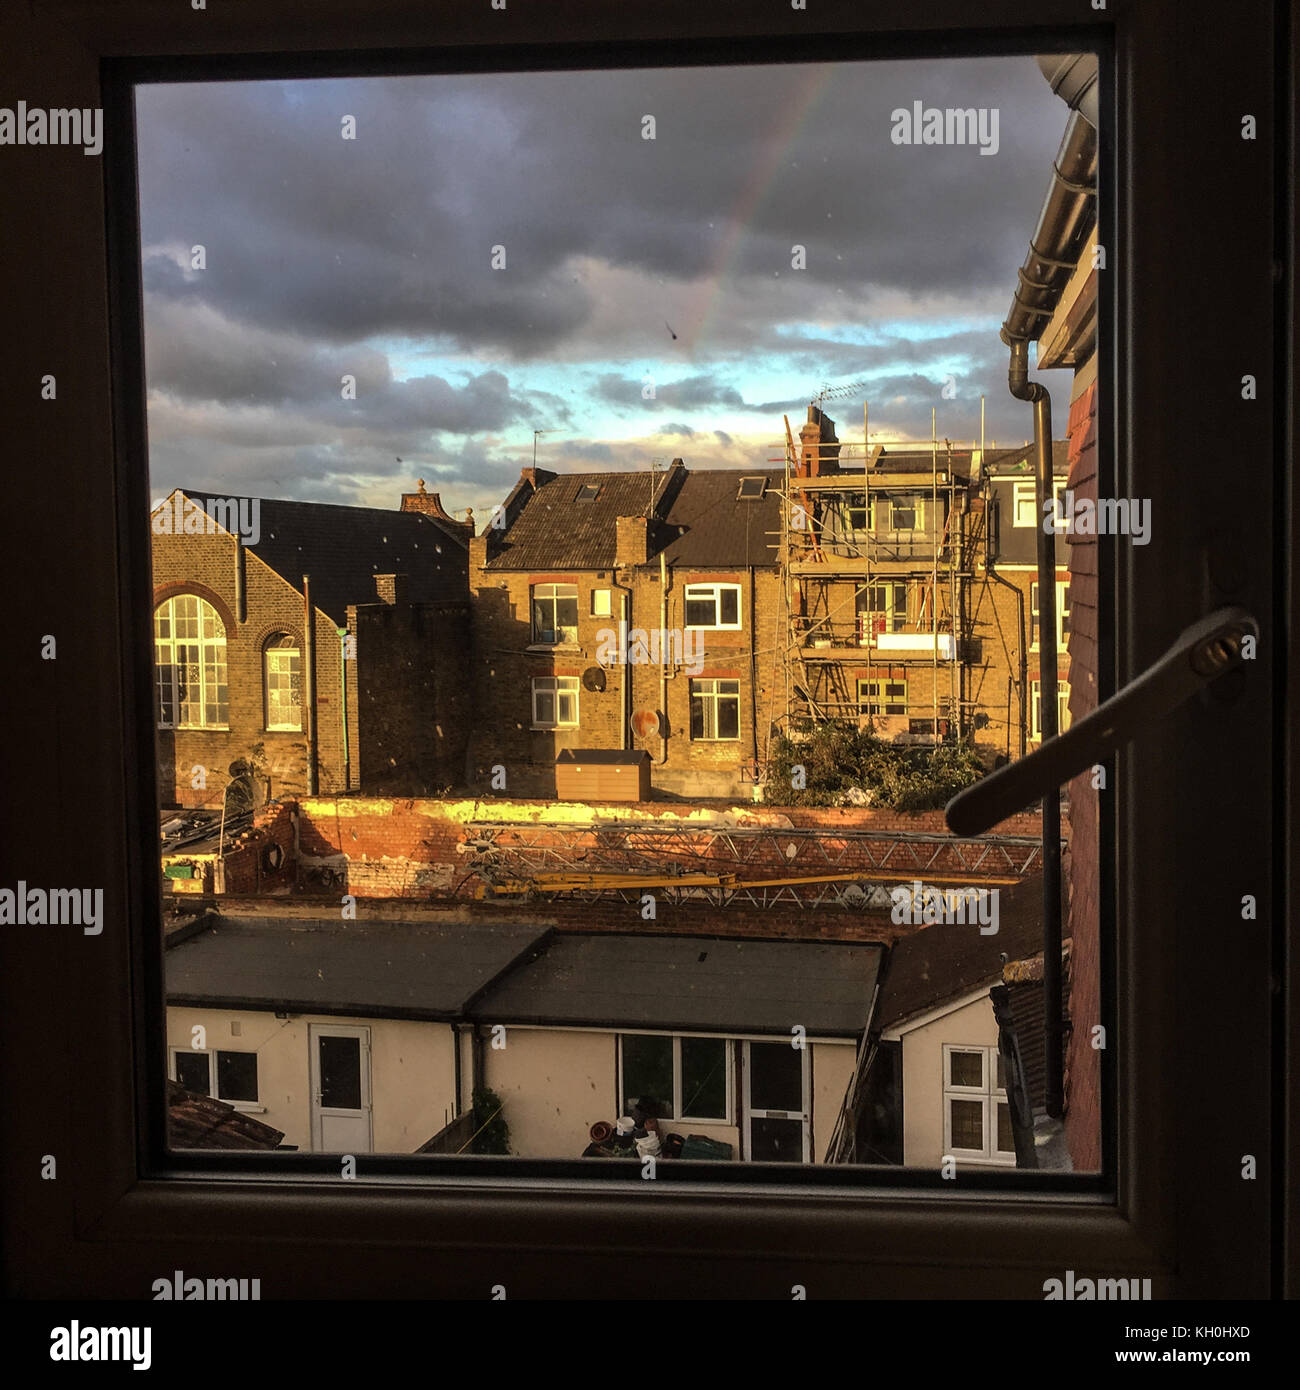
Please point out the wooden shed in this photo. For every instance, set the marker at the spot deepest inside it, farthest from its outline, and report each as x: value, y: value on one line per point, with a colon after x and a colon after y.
x: 602, y: 774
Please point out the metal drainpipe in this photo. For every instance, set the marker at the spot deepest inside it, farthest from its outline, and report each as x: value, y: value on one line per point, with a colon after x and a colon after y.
x: 1067, y: 213
x: 1025, y: 390
x: 343, y: 688
x: 625, y: 680
x: 1023, y: 686
x: 663, y: 665
x: 309, y: 685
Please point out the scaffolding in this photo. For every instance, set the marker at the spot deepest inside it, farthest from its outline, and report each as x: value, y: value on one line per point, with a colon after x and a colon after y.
x: 858, y: 592
x: 730, y: 866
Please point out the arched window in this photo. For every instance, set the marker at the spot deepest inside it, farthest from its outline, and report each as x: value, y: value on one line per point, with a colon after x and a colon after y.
x: 282, y: 682
x: 190, y: 664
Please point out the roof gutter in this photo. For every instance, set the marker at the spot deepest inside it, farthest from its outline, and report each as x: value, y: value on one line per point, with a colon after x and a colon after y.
x: 1067, y: 215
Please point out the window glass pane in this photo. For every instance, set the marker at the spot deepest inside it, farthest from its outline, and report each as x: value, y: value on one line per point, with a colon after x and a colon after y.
x: 192, y: 1071
x: 647, y: 1071
x: 730, y: 601
x: 728, y: 715
x: 1006, y: 1138
x: 699, y: 611
x: 237, y: 1075
x: 967, y: 1124
x: 704, y: 1078
x: 966, y: 1069
x: 776, y: 1077
x: 340, y: 1073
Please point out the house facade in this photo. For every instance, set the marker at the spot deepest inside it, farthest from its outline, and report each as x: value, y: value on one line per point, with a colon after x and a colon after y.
x: 628, y: 611
x: 310, y: 639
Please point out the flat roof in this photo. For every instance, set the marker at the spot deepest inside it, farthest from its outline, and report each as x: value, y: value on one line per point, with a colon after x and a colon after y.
x: 690, y: 984
x: 410, y: 970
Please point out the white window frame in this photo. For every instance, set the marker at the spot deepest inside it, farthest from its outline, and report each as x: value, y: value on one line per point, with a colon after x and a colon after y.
x: 212, y: 657
x: 1024, y: 503
x: 556, y: 686
x: 211, y: 1054
x: 562, y: 634
x: 872, y: 704
x: 894, y: 614
x: 699, y: 593
x: 678, y: 1085
x: 1036, y: 708
x: 269, y: 649
x: 989, y: 1094
x: 602, y: 603
x: 714, y: 697
x: 1062, y: 614
x: 912, y: 503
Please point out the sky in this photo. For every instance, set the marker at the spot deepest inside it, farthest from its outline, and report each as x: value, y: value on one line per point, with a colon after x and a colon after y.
x: 648, y: 306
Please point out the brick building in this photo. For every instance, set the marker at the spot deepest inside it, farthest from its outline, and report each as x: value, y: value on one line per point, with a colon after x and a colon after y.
x: 629, y: 611
x: 358, y: 696
x: 1003, y: 611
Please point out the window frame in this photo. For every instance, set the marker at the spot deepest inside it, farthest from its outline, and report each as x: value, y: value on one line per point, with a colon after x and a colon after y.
x: 1062, y: 616
x: 204, y: 644
x: 1036, y: 708
x: 716, y: 590
x: 621, y: 1092
x: 99, y: 1230
x: 572, y: 688
x: 213, y: 1055
x: 269, y: 647
x: 989, y: 1094
x: 554, y: 599
x: 875, y: 707
x: 713, y: 699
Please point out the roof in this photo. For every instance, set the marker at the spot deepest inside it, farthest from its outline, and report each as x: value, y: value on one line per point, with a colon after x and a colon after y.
x: 709, y: 526
x: 380, y: 970
x: 1021, y: 462
x: 344, y: 548
x: 699, y: 520
x: 202, y: 1122
x: 691, y: 984
x: 556, y: 531
x: 605, y: 756
x: 943, y: 962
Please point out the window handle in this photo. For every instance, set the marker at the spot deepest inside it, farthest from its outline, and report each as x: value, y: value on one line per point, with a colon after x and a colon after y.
x: 1202, y: 653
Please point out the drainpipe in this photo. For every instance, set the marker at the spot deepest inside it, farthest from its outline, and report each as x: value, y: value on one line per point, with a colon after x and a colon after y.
x: 663, y: 665
x: 241, y: 602
x: 625, y: 680
x: 309, y: 685
x: 1023, y: 683
x: 1063, y: 224
x: 343, y: 688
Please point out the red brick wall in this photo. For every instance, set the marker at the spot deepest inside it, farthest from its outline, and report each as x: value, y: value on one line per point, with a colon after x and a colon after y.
x: 417, y: 850
x: 1083, y: 1063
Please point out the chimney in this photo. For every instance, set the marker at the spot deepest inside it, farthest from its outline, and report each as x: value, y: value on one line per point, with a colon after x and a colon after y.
x: 430, y: 504
x: 819, y: 449
x: 632, y: 545
x: 391, y: 588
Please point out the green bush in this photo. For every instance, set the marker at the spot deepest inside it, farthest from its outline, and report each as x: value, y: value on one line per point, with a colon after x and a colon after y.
x: 844, y: 765
x: 492, y: 1133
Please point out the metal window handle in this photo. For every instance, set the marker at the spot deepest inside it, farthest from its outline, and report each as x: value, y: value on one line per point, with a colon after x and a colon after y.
x: 1202, y: 653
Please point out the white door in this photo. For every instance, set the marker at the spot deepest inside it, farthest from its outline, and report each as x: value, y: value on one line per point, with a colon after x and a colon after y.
x: 777, y: 1114
x: 340, y: 1089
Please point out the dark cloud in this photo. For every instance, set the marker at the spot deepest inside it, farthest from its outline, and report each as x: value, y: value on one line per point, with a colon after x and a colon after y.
x: 325, y: 256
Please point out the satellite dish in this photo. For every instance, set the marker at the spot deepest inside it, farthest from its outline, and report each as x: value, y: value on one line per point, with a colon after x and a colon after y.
x: 593, y: 678
x: 645, y: 722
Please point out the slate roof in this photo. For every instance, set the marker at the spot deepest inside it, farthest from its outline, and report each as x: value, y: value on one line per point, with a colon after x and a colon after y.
x: 943, y: 962
x: 202, y: 1122
x: 343, y: 548
x: 1021, y: 462
x: 690, y: 983
x: 698, y: 521
x: 707, y: 526
x: 379, y: 970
